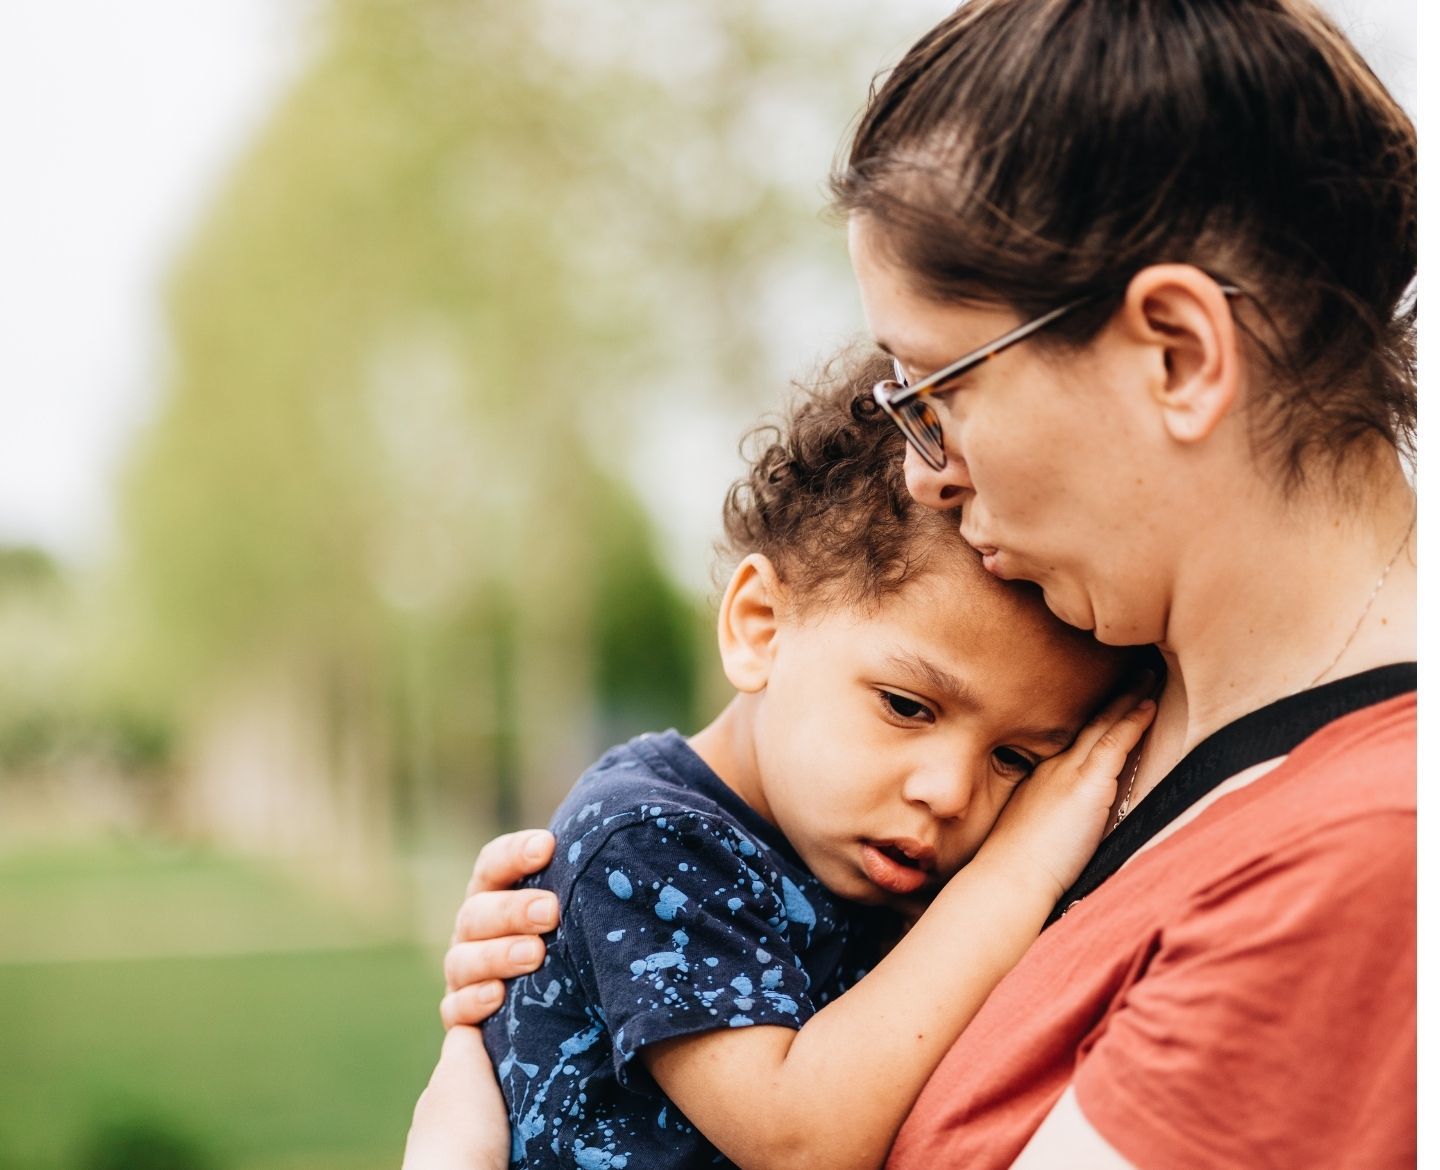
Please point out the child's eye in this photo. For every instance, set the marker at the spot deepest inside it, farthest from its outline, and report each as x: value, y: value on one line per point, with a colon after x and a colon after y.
x: 1012, y: 761
x: 909, y: 710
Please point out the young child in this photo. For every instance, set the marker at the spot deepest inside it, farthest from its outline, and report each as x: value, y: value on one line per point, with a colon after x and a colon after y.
x: 718, y: 895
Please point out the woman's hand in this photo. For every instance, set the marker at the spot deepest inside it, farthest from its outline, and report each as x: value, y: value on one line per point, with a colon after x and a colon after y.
x: 1050, y: 827
x: 460, y: 1120
x: 496, y: 928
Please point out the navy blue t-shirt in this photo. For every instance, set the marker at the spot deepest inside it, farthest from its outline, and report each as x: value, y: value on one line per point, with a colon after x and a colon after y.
x: 682, y: 910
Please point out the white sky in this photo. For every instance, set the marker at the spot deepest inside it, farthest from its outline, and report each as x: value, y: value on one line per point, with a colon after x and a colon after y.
x: 117, y: 123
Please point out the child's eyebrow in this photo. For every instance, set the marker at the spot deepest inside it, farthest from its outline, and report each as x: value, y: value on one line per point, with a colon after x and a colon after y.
x: 938, y: 681
x: 934, y: 679
x: 1057, y: 737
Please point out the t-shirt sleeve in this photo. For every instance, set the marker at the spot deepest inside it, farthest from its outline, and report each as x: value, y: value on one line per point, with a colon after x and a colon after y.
x: 1275, y: 1024
x: 676, y: 926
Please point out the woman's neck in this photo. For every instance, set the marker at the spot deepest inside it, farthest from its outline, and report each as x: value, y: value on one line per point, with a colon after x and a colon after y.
x: 1319, y: 592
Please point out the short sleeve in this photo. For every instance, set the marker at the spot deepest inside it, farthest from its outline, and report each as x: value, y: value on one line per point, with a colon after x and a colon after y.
x: 1275, y: 1024
x: 676, y: 926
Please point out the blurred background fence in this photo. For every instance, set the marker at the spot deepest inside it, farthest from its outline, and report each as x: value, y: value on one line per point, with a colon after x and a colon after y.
x: 457, y: 355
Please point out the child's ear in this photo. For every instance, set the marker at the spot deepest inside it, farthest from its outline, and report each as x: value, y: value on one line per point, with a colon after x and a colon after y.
x: 748, y: 623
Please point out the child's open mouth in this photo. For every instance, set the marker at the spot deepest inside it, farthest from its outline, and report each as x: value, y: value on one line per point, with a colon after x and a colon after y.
x: 899, y: 867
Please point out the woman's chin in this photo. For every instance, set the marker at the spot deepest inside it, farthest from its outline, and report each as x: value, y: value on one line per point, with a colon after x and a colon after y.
x: 1070, y: 610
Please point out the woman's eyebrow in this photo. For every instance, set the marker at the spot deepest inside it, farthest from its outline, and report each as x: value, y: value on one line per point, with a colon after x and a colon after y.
x: 913, y: 364
x: 889, y: 349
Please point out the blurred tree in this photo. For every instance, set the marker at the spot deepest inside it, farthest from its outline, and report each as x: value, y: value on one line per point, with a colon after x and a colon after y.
x: 380, y: 558
x: 35, y: 602
x: 131, y: 1143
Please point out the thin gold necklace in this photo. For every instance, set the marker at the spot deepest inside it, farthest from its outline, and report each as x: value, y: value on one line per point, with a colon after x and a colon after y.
x: 1129, y: 788
x: 1364, y: 613
x: 1360, y: 621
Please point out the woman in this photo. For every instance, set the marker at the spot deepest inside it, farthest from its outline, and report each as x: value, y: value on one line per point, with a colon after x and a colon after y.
x: 1184, y: 231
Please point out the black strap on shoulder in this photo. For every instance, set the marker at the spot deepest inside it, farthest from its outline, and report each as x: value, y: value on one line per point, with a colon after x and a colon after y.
x: 1273, y: 730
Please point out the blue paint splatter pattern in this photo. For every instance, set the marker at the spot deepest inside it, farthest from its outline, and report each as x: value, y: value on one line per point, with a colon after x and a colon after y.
x: 682, y: 911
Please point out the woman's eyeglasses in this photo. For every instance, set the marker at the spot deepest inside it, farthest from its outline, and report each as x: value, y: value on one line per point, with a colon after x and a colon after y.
x: 911, y: 407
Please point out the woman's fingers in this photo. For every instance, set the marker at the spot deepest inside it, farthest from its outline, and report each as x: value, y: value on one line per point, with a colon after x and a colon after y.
x: 495, y: 913
x: 471, y: 1004
x: 496, y: 926
x: 505, y: 860
x: 494, y: 958
x: 473, y: 971
x: 492, y: 909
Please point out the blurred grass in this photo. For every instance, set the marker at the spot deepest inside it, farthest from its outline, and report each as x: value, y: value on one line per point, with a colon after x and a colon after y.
x: 305, y: 1060
x: 142, y: 899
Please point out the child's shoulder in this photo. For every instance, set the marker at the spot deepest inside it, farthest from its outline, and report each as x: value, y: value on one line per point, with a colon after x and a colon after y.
x: 655, y: 780
x: 653, y: 797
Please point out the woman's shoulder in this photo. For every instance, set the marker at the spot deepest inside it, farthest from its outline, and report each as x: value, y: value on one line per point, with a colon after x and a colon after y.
x: 1342, y: 802
x: 1361, y: 763
x: 1342, y: 799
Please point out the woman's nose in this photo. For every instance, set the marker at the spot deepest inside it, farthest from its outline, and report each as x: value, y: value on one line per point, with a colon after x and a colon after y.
x: 946, y: 488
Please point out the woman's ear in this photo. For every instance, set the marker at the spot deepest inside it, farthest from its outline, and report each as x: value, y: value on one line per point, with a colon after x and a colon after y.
x: 749, y: 622
x: 1186, y: 314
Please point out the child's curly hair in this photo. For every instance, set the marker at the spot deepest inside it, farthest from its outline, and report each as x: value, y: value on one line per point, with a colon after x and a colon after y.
x: 825, y: 498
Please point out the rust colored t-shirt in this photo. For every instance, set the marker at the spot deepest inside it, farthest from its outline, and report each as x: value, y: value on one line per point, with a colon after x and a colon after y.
x: 1240, y: 995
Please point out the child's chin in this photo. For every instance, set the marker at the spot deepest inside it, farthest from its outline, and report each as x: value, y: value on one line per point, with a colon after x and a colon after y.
x: 848, y: 885
x: 866, y: 893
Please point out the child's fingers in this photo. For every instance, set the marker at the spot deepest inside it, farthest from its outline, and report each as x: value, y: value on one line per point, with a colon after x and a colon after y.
x: 1112, y: 713
x: 1113, y: 746
x: 508, y: 858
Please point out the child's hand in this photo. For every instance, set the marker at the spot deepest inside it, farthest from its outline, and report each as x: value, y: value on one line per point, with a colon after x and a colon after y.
x: 1051, y: 826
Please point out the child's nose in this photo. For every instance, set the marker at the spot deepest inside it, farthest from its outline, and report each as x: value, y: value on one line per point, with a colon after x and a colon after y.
x: 945, y: 791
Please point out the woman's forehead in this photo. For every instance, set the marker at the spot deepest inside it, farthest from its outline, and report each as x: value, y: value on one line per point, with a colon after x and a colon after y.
x: 907, y: 324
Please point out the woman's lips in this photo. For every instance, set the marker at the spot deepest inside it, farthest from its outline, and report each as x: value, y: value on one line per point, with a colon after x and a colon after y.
x: 990, y: 558
x: 895, y: 876
x: 989, y: 553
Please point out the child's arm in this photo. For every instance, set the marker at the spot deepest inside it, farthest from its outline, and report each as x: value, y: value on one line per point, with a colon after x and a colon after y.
x: 834, y: 1093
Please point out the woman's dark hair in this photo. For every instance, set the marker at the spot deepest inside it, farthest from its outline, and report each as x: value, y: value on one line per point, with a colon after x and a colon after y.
x: 825, y: 499
x: 1029, y: 152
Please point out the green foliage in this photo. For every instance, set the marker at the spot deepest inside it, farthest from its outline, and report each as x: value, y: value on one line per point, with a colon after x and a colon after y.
x: 142, y: 1143
x: 645, y: 633
x: 36, y: 736
x: 474, y: 240
x: 24, y: 569
x: 54, y: 705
